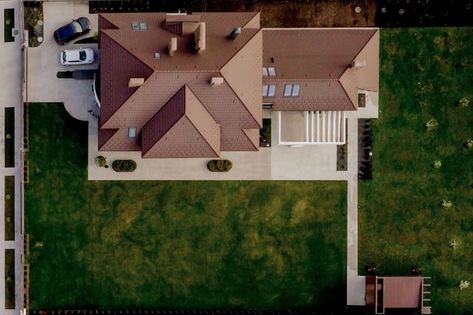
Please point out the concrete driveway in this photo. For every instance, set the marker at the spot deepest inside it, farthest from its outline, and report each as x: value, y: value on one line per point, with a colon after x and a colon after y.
x: 43, y: 62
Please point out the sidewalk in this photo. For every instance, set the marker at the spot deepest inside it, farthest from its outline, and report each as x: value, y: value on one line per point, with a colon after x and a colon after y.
x: 11, y: 77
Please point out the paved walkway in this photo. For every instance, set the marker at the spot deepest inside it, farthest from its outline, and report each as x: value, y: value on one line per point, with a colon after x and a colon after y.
x: 10, y: 96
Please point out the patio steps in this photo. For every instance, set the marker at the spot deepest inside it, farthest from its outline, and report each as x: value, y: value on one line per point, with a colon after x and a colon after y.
x: 327, y: 127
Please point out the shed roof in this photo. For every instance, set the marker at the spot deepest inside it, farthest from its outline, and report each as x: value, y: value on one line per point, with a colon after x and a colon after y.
x: 402, y: 292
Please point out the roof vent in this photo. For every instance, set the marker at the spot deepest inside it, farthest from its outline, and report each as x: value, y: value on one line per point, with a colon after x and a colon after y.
x: 199, y: 37
x: 357, y: 64
x: 216, y: 81
x: 234, y: 33
x: 172, y: 46
x: 157, y: 55
x: 136, y: 82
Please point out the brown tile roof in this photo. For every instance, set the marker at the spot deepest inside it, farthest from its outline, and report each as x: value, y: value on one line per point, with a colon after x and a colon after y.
x: 143, y: 44
x: 235, y: 105
x: 200, y: 135
x: 117, y: 67
x: 319, y: 61
x: 313, y: 95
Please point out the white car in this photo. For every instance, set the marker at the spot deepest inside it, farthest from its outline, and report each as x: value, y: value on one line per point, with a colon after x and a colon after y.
x: 81, y: 56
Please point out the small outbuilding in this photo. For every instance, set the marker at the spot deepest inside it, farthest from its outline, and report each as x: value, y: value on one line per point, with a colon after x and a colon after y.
x: 409, y: 294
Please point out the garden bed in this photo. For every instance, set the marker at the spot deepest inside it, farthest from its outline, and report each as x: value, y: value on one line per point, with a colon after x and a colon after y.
x: 8, y: 25
x: 9, y: 279
x: 9, y: 137
x: 34, y: 22
x: 9, y: 208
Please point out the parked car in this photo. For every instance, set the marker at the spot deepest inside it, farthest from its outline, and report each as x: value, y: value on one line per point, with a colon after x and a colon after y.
x: 72, y: 30
x: 72, y: 57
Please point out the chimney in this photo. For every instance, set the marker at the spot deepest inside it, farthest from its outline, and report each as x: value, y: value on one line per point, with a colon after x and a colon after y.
x: 172, y: 46
x: 216, y: 81
x: 234, y: 33
x: 357, y: 64
x: 199, y: 36
x: 136, y: 82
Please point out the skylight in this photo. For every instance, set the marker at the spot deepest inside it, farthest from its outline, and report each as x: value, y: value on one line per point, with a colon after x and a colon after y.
x: 139, y: 26
x: 269, y: 90
x: 131, y: 132
x: 291, y: 90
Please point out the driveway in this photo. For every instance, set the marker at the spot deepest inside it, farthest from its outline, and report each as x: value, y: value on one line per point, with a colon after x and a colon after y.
x: 43, y: 62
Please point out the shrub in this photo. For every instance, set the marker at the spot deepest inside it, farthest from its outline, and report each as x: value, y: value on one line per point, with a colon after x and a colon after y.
x: 219, y: 165
x: 431, y: 124
x: 446, y: 204
x: 100, y: 161
x: 124, y: 165
x: 464, y: 102
x: 468, y: 143
x: 464, y: 284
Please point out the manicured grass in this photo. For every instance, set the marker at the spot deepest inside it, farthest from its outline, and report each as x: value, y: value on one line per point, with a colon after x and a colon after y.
x: 9, y: 137
x: 9, y: 278
x: 424, y: 73
x: 174, y: 244
x: 8, y: 25
x: 9, y: 208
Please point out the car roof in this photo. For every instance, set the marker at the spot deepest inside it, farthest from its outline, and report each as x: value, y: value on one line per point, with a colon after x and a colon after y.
x: 69, y: 29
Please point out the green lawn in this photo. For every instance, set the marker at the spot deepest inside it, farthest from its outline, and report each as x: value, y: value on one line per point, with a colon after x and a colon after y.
x: 174, y: 244
x: 424, y: 73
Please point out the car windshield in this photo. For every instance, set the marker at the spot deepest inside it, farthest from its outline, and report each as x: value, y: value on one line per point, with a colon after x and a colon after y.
x: 64, y: 56
x: 82, y: 55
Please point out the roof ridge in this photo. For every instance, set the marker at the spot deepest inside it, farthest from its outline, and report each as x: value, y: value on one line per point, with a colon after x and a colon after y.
x: 348, y: 72
x: 104, y: 32
x: 359, y: 51
x: 191, y: 120
x: 230, y: 86
x: 104, y: 16
x: 157, y: 113
x: 238, y: 50
x: 344, y: 87
x: 248, y: 137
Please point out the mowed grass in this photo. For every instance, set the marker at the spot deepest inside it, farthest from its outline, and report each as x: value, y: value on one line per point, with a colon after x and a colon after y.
x: 174, y: 244
x: 424, y: 73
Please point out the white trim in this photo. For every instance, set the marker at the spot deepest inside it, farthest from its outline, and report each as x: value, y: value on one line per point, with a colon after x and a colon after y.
x: 306, y: 118
x: 317, y: 28
x: 310, y: 143
x: 311, y: 126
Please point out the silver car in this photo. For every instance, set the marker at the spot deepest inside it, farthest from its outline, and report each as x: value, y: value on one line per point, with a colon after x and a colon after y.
x: 72, y: 57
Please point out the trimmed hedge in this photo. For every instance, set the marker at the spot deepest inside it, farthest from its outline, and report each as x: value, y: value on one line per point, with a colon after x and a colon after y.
x: 124, y: 165
x: 219, y: 165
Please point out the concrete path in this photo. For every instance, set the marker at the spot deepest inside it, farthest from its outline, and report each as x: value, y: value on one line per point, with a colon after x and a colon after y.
x: 11, y: 78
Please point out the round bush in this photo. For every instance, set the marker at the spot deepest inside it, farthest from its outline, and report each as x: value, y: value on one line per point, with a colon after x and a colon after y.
x: 100, y: 161
x: 124, y: 165
x: 219, y: 165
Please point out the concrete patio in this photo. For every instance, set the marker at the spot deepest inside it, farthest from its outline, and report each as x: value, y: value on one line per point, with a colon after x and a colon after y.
x: 43, y: 62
